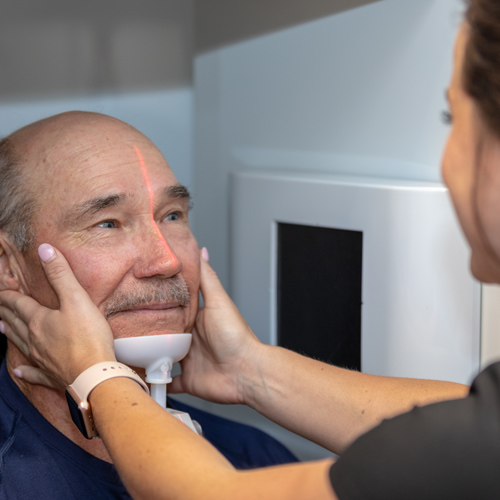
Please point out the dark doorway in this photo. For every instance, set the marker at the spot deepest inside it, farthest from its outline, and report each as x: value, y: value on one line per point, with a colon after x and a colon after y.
x: 319, y: 292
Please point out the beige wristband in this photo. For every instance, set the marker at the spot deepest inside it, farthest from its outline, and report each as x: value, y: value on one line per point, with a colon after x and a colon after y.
x: 88, y: 380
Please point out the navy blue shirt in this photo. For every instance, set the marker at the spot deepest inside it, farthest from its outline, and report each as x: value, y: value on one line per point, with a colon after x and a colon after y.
x: 38, y: 462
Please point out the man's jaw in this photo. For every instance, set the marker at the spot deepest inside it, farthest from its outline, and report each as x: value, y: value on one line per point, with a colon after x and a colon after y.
x: 149, y: 319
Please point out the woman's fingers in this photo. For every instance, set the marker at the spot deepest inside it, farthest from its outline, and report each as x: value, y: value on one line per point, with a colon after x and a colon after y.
x: 36, y: 376
x: 14, y: 328
x: 64, y: 341
x: 214, y: 295
x: 209, y: 282
x: 176, y: 386
x: 15, y: 338
x: 15, y: 305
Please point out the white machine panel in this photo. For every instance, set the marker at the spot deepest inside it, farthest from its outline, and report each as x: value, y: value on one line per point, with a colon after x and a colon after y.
x: 421, y: 308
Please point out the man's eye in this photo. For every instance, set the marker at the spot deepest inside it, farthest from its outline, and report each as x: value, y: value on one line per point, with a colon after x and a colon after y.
x: 107, y: 224
x: 172, y: 217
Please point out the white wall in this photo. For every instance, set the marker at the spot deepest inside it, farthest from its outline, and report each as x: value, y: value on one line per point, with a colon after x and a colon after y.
x: 163, y: 116
x: 359, y: 92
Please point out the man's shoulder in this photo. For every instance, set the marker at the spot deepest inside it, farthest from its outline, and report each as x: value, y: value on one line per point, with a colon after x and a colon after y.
x: 38, y: 462
x: 31, y: 468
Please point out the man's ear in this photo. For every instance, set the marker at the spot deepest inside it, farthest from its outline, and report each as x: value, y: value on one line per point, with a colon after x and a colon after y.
x: 11, y: 277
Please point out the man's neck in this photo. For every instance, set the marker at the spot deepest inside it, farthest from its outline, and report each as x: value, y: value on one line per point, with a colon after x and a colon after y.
x: 52, y: 405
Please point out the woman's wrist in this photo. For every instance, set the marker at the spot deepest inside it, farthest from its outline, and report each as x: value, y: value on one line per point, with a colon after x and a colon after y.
x: 253, y: 374
x: 78, y: 368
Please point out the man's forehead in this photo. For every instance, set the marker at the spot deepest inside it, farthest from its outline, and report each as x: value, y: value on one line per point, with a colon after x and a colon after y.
x: 99, y: 164
x: 81, y: 162
x: 64, y: 143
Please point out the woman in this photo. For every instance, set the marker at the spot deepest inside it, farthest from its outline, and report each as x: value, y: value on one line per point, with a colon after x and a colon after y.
x: 445, y: 450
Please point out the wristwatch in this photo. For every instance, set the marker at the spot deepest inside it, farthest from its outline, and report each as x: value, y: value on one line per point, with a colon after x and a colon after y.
x: 78, y: 392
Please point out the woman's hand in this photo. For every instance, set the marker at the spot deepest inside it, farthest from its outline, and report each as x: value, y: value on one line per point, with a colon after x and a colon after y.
x: 62, y: 342
x: 224, y: 348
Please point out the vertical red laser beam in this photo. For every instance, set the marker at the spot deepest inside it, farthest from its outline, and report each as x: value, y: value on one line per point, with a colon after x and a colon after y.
x: 151, y: 197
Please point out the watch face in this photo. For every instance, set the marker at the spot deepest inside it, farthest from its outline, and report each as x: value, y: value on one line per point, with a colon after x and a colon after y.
x: 81, y: 419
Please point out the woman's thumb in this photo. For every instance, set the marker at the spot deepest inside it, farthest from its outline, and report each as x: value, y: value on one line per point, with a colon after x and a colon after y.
x: 58, y: 271
x: 211, y: 287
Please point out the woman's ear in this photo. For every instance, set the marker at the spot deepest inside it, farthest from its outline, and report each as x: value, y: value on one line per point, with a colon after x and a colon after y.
x: 10, y: 271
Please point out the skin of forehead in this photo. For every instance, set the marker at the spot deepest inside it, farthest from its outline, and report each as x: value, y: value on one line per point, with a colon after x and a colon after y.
x: 63, y: 135
x: 54, y: 129
x: 48, y: 147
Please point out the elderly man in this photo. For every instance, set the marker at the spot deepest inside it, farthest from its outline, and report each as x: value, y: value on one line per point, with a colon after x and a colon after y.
x: 103, y: 194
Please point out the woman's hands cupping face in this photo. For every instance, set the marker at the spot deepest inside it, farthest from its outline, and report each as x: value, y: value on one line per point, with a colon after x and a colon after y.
x: 61, y: 342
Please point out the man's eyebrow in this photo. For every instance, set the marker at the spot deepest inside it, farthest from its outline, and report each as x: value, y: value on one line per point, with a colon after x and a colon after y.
x: 92, y: 206
x: 178, y: 191
x: 95, y: 205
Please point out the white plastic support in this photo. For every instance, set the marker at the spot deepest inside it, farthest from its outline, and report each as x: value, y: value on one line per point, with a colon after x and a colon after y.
x: 157, y: 354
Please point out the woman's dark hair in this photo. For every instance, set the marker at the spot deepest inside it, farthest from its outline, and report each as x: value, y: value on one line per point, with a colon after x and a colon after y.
x: 481, y: 70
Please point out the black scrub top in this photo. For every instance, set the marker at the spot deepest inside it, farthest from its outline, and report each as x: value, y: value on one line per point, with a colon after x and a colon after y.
x: 448, y: 450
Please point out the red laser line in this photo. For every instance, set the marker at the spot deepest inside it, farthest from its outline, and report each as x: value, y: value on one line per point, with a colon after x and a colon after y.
x: 151, y: 200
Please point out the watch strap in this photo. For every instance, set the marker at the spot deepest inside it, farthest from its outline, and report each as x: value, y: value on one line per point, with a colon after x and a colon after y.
x: 89, y: 379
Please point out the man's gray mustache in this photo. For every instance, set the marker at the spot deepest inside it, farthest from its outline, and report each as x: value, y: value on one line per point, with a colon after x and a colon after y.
x: 153, y: 291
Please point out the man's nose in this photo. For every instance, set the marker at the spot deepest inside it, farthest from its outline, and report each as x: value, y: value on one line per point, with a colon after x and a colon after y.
x: 156, y: 256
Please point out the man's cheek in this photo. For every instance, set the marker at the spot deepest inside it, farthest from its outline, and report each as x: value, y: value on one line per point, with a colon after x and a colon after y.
x: 92, y: 276
x: 190, y: 257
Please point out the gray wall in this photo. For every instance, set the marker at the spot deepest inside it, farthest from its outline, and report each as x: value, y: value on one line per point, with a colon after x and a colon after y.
x: 56, y: 48
x: 125, y: 58
x: 221, y: 22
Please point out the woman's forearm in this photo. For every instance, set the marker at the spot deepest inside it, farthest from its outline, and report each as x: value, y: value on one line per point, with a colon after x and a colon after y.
x: 151, y: 449
x: 159, y: 457
x: 329, y: 405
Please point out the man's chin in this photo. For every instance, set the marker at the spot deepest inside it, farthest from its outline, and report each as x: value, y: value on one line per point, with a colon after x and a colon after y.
x: 130, y: 324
